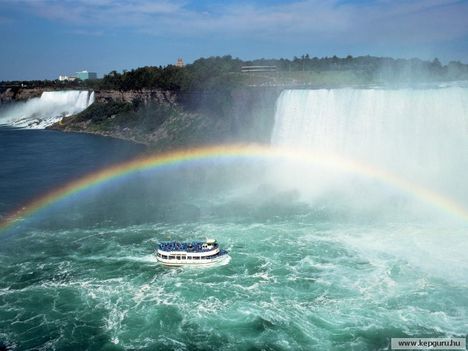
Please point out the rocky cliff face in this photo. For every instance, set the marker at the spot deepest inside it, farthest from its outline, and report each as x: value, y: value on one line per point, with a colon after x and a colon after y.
x: 145, y: 96
x: 19, y: 94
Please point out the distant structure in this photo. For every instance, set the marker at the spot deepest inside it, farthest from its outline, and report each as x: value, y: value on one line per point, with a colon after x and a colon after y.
x: 258, y: 69
x: 85, y: 75
x: 66, y: 78
x: 180, y: 62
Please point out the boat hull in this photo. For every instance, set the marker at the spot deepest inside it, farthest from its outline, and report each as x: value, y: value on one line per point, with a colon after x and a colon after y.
x: 192, y: 263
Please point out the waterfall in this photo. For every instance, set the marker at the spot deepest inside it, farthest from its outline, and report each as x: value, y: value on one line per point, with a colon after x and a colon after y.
x: 419, y: 134
x: 51, y: 107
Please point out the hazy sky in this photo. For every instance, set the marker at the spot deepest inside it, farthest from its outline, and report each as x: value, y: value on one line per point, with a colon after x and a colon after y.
x: 44, y: 38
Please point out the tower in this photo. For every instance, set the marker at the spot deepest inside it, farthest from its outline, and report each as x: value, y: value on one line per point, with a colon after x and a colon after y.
x: 180, y: 62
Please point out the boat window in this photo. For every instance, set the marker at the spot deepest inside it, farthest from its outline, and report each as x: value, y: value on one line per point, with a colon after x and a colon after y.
x: 178, y: 257
x: 189, y: 257
x: 171, y: 257
x: 184, y: 257
x: 196, y: 258
x: 164, y: 256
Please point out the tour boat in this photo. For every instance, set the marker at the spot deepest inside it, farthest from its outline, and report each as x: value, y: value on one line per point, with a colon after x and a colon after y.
x: 198, y: 253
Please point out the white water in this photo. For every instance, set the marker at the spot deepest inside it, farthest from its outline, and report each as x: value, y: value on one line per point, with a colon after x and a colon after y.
x: 419, y: 134
x: 51, y: 107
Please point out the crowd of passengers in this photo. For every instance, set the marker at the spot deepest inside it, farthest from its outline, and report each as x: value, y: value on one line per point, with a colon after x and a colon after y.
x: 194, y: 246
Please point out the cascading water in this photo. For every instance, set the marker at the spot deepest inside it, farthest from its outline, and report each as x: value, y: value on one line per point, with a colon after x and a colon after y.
x: 419, y: 134
x: 51, y: 107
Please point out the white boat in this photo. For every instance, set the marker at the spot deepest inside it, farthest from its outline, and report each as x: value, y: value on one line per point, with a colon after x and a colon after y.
x: 197, y: 253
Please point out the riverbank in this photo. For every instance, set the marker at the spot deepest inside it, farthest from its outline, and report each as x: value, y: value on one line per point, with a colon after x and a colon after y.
x: 102, y: 134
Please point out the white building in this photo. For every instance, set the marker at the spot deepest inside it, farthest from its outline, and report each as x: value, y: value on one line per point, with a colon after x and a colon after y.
x: 66, y: 79
x: 180, y: 62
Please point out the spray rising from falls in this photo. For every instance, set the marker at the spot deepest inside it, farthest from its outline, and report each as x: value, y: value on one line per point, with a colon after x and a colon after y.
x: 51, y: 107
x: 419, y: 134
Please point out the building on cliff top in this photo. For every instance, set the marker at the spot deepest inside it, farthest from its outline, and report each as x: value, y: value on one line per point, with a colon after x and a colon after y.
x: 258, y: 69
x: 66, y: 78
x: 180, y: 62
x: 85, y: 75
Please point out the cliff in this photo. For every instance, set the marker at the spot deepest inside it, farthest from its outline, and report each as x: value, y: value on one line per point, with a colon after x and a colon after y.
x: 166, y: 119
x: 11, y: 94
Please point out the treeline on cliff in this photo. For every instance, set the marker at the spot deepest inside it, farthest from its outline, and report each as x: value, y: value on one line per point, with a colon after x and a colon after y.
x: 225, y: 72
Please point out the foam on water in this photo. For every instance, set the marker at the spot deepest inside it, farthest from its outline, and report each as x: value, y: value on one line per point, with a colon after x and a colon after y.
x: 288, y: 285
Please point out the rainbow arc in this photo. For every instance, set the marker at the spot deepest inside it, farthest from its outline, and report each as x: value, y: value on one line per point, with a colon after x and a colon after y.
x: 226, y: 152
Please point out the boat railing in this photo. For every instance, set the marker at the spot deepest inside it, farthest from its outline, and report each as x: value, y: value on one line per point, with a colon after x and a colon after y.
x: 195, y: 246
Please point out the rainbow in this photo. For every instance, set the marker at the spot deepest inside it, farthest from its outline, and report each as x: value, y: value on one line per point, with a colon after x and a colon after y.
x: 236, y: 151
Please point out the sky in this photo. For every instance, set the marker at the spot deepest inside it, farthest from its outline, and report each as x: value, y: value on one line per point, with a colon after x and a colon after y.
x: 41, y: 39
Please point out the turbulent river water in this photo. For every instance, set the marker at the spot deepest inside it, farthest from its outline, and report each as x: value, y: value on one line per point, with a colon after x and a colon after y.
x: 321, y: 258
